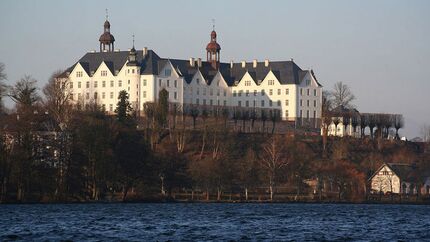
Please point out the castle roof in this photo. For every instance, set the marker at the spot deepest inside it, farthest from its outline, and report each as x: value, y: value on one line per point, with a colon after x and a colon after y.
x: 287, y: 72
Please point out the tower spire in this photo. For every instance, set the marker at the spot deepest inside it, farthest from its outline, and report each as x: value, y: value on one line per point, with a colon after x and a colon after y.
x: 213, y: 24
x: 133, y: 40
x: 107, y: 15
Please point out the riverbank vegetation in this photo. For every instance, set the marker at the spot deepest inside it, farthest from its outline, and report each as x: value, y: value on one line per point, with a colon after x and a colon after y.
x: 52, y: 151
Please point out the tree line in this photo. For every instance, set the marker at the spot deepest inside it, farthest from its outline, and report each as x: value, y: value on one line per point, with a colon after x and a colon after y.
x: 51, y: 150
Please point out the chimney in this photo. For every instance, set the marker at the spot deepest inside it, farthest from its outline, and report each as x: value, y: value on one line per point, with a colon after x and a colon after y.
x: 145, y: 51
x: 266, y: 63
x: 192, y: 61
x: 254, y: 63
x: 231, y: 64
x: 243, y: 64
x: 199, y: 62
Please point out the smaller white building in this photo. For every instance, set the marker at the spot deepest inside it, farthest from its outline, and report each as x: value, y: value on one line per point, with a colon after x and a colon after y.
x: 397, y: 178
x: 343, y: 122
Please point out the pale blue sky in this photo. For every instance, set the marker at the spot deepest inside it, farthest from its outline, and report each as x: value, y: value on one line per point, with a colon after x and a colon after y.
x: 379, y: 48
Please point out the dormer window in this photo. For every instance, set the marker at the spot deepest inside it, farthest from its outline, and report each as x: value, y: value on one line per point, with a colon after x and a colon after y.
x: 197, y: 81
x: 79, y: 74
x: 247, y: 83
x: 271, y: 82
x: 103, y: 73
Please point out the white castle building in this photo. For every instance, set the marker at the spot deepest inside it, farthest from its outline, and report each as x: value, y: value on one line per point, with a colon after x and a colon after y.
x: 280, y: 85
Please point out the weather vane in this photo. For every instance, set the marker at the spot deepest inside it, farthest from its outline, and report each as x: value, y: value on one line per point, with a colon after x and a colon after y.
x: 213, y: 24
x: 107, y: 15
x: 133, y: 40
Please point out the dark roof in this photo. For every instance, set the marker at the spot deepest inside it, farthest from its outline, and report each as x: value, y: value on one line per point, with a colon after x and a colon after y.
x: 287, y: 72
x: 406, y: 172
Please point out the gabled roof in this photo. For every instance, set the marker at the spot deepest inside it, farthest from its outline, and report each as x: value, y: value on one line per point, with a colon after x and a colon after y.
x: 287, y: 72
x: 406, y: 172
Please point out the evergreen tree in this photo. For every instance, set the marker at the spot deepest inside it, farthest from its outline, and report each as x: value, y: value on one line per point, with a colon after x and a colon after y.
x: 123, y: 107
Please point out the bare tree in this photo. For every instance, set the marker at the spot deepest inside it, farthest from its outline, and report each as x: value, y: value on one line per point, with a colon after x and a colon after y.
x: 399, y: 123
x: 342, y: 95
x: 57, y: 98
x: 24, y: 92
x: 2, y: 85
x: 273, y: 160
x: 425, y: 132
x: 326, y: 118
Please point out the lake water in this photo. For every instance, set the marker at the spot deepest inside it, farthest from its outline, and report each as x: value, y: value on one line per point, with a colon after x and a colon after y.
x: 194, y: 222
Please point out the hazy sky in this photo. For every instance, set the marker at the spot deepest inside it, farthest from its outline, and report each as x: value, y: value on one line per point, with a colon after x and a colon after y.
x: 379, y: 48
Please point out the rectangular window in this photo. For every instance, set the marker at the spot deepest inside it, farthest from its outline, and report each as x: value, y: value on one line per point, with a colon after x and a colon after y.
x: 71, y: 84
x: 144, y: 94
x: 111, y: 107
x: 307, y: 113
x: 79, y: 74
x: 204, y: 91
x: 128, y: 82
x: 103, y: 107
x: 167, y: 72
x: 270, y: 92
x: 301, y: 91
x: 262, y: 92
x: 286, y: 113
x: 301, y: 103
x: 247, y: 93
x: 132, y: 71
x: 103, y: 95
x: 271, y: 82
x: 308, y: 91
x: 287, y: 102
x: 315, y: 92
x: 279, y: 91
x: 287, y: 91
x: 279, y: 103
x: 79, y: 96
x: 262, y: 103
x: 270, y: 103
x: 87, y: 95
x: 240, y: 93
x: 95, y: 95
x: 307, y: 103
x: 315, y: 114
x: 119, y: 83
x: 175, y: 83
x: 144, y: 82
x: 95, y: 84
x: 234, y: 93
x: 103, y: 83
x: 239, y: 103
x: 247, y: 83
x: 247, y: 103
x: 168, y: 83
x: 79, y: 84
x: 301, y: 112
x: 225, y: 102
x: 255, y: 93
x: 111, y: 95
x: 315, y: 103
x: 111, y: 83
x: 104, y: 73
x: 175, y: 96
x: 159, y: 82
x: 71, y: 96
x: 88, y: 84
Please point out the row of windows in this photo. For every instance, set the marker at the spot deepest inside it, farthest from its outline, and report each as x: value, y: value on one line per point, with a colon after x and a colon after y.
x: 217, y: 83
x: 160, y: 81
x: 308, y: 92
x: 247, y: 92
x: 211, y: 91
x: 307, y: 103
x: 112, y: 84
x: 211, y: 102
x: 102, y: 73
x: 307, y: 114
x: 278, y: 103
